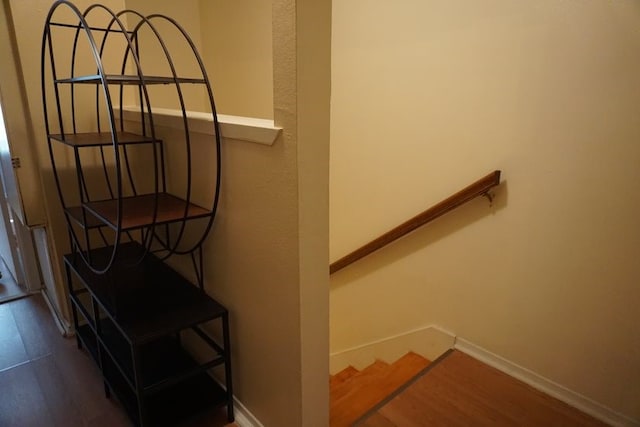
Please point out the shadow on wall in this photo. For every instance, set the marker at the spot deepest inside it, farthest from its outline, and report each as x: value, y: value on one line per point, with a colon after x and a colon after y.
x: 428, y: 234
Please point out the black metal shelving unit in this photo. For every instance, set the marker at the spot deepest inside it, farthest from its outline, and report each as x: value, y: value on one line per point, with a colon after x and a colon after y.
x: 130, y: 321
x: 135, y: 315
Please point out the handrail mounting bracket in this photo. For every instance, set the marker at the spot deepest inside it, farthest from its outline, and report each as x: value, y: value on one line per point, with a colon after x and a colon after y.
x: 490, y: 196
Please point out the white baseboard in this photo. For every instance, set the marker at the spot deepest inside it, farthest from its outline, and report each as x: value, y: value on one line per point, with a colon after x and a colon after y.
x: 545, y: 385
x: 64, y: 328
x: 244, y: 417
x: 430, y: 342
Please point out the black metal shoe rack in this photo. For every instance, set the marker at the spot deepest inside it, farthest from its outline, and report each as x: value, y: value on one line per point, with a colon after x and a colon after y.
x: 126, y: 215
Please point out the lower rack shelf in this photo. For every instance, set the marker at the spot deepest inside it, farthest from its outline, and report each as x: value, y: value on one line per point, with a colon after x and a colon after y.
x: 173, y: 404
x: 132, y: 320
x: 165, y: 401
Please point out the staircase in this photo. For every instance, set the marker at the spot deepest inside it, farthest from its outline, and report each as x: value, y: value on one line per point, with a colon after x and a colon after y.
x: 453, y: 390
x: 354, y: 393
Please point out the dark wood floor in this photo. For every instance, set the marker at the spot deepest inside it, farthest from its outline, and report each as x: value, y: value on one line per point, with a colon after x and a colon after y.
x: 46, y: 381
x: 9, y: 289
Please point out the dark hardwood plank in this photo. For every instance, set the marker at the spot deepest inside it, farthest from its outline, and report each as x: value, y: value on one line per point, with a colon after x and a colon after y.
x: 12, y: 351
x: 9, y: 289
x: 22, y: 402
x: 57, y: 396
x: 83, y: 380
x: 36, y: 326
x: 49, y: 382
x: 71, y: 370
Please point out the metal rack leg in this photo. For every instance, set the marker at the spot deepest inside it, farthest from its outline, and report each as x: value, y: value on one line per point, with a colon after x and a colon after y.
x: 74, y: 311
x: 227, y: 367
x: 101, y: 355
x: 137, y: 374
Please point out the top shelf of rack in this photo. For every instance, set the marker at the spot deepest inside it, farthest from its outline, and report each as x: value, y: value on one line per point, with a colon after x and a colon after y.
x: 93, y: 139
x: 125, y: 79
x: 113, y: 29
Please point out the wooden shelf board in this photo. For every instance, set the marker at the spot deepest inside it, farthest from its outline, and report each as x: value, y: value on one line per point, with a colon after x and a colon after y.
x: 183, y: 400
x: 137, y: 211
x: 95, y: 139
x: 124, y: 79
x: 75, y: 213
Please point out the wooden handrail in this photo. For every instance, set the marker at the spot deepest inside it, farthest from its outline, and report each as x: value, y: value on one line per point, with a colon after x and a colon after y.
x: 479, y: 188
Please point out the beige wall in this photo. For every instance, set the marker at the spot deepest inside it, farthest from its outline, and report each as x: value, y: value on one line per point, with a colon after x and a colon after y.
x: 234, y: 39
x: 313, y: 89
x: 153, y: 58
x: 266, y: 258
x: 27, y: 205
x: 267, y: 255
x: 432, y: 95
x: 236, y: 44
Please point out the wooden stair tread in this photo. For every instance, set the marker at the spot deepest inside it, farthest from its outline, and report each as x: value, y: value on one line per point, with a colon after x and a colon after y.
x: 342, y: 376
x: 377, y: 420
x: 363, y: 377
x: 462, y: 391
x: 353, y: 398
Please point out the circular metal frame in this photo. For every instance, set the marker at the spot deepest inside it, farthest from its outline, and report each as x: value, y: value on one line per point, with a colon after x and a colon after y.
x: 122, y: 164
